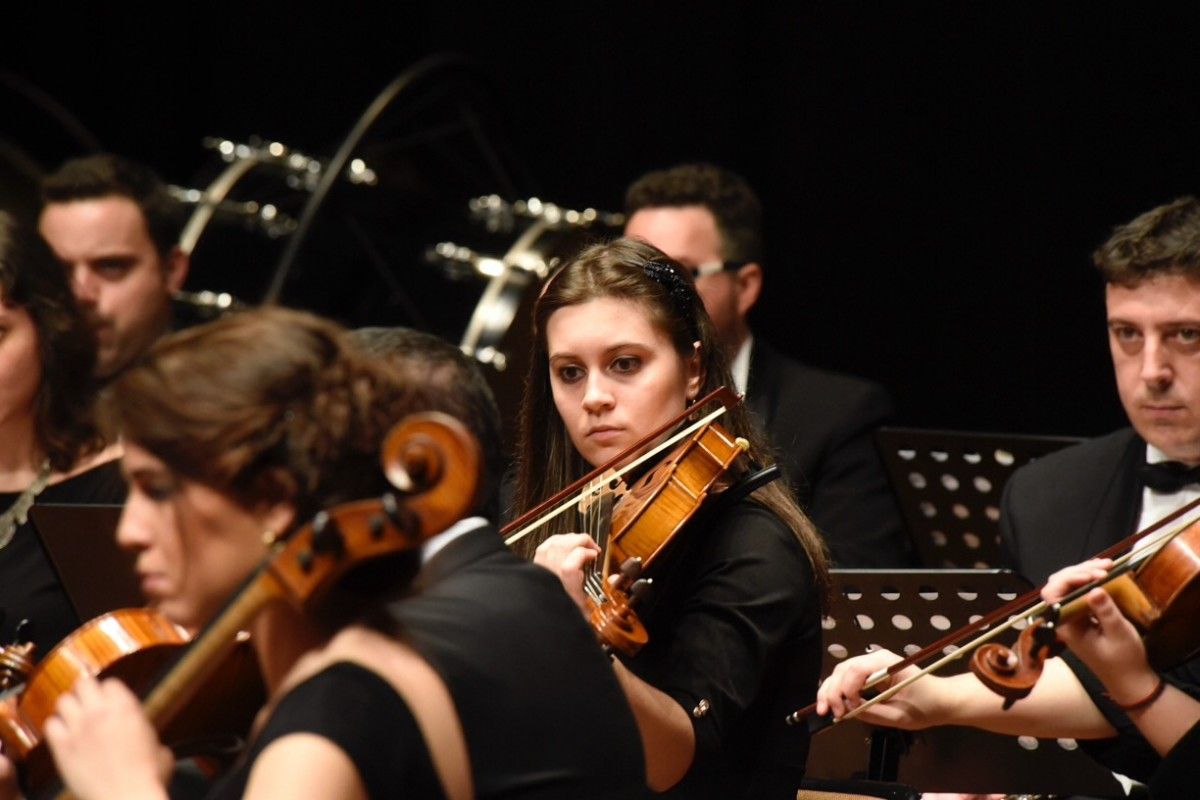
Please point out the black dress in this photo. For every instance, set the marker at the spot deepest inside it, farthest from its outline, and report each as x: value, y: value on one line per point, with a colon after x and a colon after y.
x: 29, y: 587
x: 361, y: 714
x: 735, y: 639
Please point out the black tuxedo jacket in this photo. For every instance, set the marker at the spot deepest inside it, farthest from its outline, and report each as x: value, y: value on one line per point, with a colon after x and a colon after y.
x: 539, y: 703
x: 1069, y: 505
x: 822, y: 426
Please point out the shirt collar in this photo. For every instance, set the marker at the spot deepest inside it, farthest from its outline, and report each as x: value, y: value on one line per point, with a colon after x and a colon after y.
x: 435, y: 544
x: 741, y: 365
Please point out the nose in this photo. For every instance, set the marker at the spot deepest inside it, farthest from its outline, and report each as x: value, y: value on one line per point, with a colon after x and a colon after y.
x: 1157, y: 371
x: 133, y: 529
x: 598, y: 396
x: 84, y: 285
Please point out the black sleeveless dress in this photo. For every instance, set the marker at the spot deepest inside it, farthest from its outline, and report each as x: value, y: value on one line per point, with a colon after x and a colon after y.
x: 361, y: 714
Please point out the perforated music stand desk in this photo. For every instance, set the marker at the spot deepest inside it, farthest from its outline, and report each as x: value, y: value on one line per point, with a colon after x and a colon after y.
x: 903, y: 611
x: 948, y: 485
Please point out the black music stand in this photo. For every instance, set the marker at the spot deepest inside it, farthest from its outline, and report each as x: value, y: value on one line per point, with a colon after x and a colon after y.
x: 96, y: 574
x: 948, y: 485
x: 903, y: 611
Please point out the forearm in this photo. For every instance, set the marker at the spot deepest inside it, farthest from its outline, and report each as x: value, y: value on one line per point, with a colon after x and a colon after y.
x: 668, y: 739
x: 1058, y: 707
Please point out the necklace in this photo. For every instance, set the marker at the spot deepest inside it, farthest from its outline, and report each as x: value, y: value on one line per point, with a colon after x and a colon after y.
x: 18, y: 512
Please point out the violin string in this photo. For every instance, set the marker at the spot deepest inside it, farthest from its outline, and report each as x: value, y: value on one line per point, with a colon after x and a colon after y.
x: 603, y: 527
x: 1136, y: 554
x: 596, y: 522
x: 580, y: 498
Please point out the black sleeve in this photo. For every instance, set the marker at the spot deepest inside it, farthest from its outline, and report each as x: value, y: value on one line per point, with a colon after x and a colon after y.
x: 732, y: 601
x: 1175, y: 779
x: 1128, y: 752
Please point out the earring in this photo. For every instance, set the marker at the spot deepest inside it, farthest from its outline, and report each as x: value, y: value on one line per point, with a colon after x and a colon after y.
x: 269, y: 538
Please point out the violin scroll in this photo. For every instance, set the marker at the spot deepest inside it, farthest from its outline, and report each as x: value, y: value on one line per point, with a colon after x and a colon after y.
x: 613, y: 618
x: 435, y: 460
x: 1012, y: 673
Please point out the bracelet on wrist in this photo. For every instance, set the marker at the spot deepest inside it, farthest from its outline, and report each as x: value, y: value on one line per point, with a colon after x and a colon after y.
x: 1145, y: 701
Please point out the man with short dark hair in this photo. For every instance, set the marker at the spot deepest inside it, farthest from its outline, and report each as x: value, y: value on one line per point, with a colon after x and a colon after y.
x: 1076, y: 502
x: 115, y: 228
x: 821, y: 423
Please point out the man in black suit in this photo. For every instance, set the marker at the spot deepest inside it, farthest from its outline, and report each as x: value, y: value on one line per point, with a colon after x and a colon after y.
x: 1074, y: 503
x: 821, y: 423
x: 541, y: 710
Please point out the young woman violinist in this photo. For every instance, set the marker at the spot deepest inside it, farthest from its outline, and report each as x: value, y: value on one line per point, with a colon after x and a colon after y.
x: 622, y: 346
x: 50, y: 450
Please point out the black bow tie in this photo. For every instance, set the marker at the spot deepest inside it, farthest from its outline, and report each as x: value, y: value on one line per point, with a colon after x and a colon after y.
x: 1169, y: 477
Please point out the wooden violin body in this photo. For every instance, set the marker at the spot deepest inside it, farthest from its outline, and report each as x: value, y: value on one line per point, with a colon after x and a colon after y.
x: 134, y: 645
x: 655, y: 508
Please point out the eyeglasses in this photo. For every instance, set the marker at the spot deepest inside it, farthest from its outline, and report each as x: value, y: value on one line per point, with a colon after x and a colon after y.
x: 713, y: 267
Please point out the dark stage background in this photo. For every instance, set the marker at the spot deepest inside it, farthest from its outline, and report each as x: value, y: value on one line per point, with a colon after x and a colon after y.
x: 935, y: 175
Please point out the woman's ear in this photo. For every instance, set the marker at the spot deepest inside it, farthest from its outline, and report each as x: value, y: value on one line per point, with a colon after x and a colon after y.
x: 277, y: 518
x: 695, y: 373
x: 277, y: 511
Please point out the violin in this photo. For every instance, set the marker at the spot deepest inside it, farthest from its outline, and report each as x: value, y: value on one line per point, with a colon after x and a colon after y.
x: 1159, y: 595
x: 636, y: 524
x: 134, y: 645
x: 431, y: 460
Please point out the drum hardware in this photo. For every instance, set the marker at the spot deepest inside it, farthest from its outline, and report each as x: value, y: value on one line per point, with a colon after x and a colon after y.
x: 459, y: 261
x: 217, y: 302
x: 254, y: 215
x: 552, y: 233
x: 305, y: 170
x: 499, y: 216
x: 302, y: 173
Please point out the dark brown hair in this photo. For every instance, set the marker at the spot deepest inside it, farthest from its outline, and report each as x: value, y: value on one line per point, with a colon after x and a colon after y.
x: 633, y: 270
x: 1164, y: 240
x: 267, y: 405
x: 31, y: 279
x: 106, y: 175
x: 733, y: 204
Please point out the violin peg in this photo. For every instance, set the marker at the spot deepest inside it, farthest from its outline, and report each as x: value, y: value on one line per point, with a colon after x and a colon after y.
x: 631, y: 568
x: 639, y: 589
x: 24, y: 631
x: 327, y: 536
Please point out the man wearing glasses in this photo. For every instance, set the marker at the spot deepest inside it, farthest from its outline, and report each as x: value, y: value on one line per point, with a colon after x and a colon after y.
x: 822, y: 423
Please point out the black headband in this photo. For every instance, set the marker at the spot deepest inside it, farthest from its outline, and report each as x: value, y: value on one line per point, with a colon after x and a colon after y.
x: 682, y: 294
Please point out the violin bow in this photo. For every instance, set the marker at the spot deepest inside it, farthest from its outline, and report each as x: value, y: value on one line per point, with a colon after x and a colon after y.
x: 1016, y: 609
x: 563, y: 500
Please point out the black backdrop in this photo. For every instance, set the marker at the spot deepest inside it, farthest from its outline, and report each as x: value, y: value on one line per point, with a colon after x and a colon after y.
x: 935, y: 175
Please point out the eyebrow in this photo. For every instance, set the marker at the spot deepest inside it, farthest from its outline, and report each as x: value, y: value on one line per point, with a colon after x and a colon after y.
x: 610, y: 349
